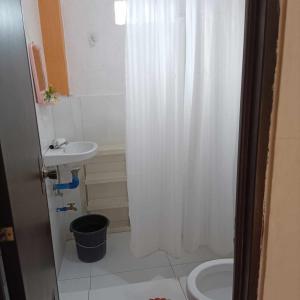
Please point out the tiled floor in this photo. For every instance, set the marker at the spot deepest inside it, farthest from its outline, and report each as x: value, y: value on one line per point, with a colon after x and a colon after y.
x: 122, y: 276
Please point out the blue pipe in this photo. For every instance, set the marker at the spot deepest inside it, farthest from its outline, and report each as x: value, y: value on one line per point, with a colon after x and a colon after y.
x: 68, y: 186
x: 62, y: 209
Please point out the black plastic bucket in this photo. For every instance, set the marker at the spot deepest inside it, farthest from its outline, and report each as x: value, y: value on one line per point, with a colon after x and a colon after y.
x: 91, y: 254
x: 90, y: 235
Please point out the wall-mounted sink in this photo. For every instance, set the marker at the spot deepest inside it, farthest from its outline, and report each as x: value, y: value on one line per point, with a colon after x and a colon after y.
x: 70, y: 153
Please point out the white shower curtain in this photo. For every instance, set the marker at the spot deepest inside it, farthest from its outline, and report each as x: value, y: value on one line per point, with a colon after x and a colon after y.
x: 183, y: 73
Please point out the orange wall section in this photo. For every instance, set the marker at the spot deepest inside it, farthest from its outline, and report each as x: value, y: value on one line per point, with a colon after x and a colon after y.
x: 54, y: 45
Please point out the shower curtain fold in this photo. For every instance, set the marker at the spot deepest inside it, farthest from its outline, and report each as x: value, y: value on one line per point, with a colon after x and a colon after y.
x: 183, y: 73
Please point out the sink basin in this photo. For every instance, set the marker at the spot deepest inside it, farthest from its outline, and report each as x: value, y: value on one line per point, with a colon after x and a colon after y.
x: 70, y: 153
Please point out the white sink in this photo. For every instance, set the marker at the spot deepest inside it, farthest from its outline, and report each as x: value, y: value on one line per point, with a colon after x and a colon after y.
x: 70, y: 153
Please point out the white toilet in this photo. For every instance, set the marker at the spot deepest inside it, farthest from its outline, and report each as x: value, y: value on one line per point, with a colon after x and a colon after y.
x: 211, y: 280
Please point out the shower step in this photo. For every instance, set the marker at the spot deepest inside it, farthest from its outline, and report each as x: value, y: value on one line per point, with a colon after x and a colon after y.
x: 114, y: 214
x: 119, y: 218
x: 106, y: 186
x: 122, y: 226
x: 107, y: 191
x: 119, y: 229
x: 107, y: 203
x: 107, y: 177
x: 106, y: 164
x: 111, y: 150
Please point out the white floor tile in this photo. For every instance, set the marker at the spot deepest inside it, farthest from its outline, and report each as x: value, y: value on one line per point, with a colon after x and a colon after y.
x: 120, y: 259
x: 167, y: 288
x: 72, y: 267
x: 184, y: 269
x: 105, y: 281
x: 220, y: 294
x: 120, y: 267
x: 201, y: 255
x: 75, y: 296
x: 74, y: 285
x: 182, y: 281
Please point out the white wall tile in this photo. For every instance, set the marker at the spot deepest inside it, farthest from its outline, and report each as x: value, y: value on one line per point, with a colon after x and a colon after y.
x: 95, y: 48
x: 45, y: 125
x: 67, y: 119
x: 94, y: 67
x: 57, y: 222
x: 103, y: 119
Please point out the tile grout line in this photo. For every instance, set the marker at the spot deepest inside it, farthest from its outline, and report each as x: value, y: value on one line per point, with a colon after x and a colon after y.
x: 168, y: 264
x: 119, y: 272
x: 132, y: 270
x: 74, y: 278
x: 184, y: 294
x: 177, y: 278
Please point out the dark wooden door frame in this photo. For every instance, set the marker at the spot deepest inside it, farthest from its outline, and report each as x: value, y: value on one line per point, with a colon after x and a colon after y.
x: 260, y: 56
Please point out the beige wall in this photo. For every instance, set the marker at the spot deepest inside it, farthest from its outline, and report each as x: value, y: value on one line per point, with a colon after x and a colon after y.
x: 280, y: 262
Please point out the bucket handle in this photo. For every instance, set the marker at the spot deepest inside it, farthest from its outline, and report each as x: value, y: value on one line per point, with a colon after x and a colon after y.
x: 91, y: 247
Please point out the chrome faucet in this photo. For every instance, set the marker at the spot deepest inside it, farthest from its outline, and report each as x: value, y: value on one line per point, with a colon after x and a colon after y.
x: 70, y: 206
x: 58, y: 143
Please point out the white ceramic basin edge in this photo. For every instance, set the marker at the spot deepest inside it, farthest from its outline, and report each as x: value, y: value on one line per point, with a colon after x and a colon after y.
x: 70, y: 153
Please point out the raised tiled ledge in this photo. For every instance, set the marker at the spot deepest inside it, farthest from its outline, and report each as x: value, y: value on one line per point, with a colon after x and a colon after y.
x: 107, y: 177
x: 106, y: 186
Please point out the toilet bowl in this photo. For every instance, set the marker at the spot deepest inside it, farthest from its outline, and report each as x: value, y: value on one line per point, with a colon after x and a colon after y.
x: 211, y: 280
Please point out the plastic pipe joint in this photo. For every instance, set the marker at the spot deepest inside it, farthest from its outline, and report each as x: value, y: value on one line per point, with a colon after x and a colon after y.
x: 70, y: 185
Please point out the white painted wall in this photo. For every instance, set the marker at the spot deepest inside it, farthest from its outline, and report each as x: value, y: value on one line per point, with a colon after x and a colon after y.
x: 100, y: 119
x: 94, y: 46
x: 95, y: 49
x: 47, y: 133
